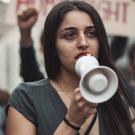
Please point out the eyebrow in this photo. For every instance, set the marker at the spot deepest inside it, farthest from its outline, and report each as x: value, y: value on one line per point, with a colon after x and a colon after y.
x: 90, y: 27
x: 67, y: 29
x: 74, y: 28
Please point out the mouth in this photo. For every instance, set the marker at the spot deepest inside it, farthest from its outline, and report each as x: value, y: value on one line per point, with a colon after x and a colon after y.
x: 83, y: 54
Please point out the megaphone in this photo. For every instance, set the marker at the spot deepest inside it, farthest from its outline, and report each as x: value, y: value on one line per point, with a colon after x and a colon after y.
x: 98, y: 83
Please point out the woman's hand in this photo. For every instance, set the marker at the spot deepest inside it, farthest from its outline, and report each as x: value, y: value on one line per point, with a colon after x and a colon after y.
x: 80, y: 109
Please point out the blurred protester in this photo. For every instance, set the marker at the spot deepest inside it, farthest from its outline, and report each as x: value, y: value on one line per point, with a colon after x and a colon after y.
x: 129, y: 73
x: 131, y: 67
x: 29, y: 66
x: 118, y: 47
x: 4, y: 95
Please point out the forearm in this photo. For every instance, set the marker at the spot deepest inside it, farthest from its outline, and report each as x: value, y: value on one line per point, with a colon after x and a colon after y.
x: 29, y: 66
x: 25, y: 39
x: 65, y: 129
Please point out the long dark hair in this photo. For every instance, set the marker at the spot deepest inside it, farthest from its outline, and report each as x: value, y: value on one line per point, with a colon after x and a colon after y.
x: 113, y: 112
x: 131, y: 53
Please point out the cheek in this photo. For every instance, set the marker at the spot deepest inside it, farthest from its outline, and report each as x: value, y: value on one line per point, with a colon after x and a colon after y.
x: 66, y: 57
x: 64, y: 49
x: 67, y: 61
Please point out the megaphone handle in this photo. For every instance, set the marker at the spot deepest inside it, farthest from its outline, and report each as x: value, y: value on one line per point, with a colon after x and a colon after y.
x: 91, y: 125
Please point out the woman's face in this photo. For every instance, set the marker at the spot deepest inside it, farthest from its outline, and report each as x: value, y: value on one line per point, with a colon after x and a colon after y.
x: 76, y: 36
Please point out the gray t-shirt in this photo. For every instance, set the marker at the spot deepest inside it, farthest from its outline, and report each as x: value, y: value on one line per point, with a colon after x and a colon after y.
x: 39, y: 103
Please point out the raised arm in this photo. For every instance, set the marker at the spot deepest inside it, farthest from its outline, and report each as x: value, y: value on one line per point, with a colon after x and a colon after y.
x: 29, y: 66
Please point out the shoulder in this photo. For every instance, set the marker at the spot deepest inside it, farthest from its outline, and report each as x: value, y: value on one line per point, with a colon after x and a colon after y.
x: 31, y: 92
x: 40, y: 83
x: 27, y: 97
x: 33, y: 87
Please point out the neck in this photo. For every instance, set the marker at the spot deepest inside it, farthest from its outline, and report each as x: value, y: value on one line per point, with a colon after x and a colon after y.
x: 67, y: 81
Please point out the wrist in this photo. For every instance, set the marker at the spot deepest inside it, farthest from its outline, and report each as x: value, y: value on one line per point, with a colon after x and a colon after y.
x: 26, y: 42
x: 73, y: 120
x: 65, y: 129
x: 70, y: 124
x: 25, y: 31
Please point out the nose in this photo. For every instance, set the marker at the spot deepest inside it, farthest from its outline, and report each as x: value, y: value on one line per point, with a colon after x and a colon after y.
x: 82, y: 41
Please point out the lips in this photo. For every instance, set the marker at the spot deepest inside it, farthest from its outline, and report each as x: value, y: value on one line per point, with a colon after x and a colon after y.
x: 82, y: 54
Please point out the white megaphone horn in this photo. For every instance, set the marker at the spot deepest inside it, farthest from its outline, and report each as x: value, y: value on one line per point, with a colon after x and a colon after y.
x: 98, y: 83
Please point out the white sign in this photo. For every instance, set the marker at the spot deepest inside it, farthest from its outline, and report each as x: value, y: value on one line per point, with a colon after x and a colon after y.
x: 118, y: 15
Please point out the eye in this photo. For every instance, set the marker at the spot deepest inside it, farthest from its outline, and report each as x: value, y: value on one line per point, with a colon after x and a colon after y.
x: 70, y: 35
x: 91, y: 33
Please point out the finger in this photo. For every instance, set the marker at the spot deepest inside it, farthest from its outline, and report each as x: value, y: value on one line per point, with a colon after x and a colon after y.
x: 89, y: 104
x: 92, y: 105
x: 25, y: 15
x: 77, y: 90
x: 81, y: 104
x: 92, y: 111
x: 21, y: 16
x: 77, y: 95
x: 30, y: 11
x: 89, y: 111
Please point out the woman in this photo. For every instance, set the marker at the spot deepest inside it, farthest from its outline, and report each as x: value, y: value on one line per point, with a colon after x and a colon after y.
x: 55, y: 106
